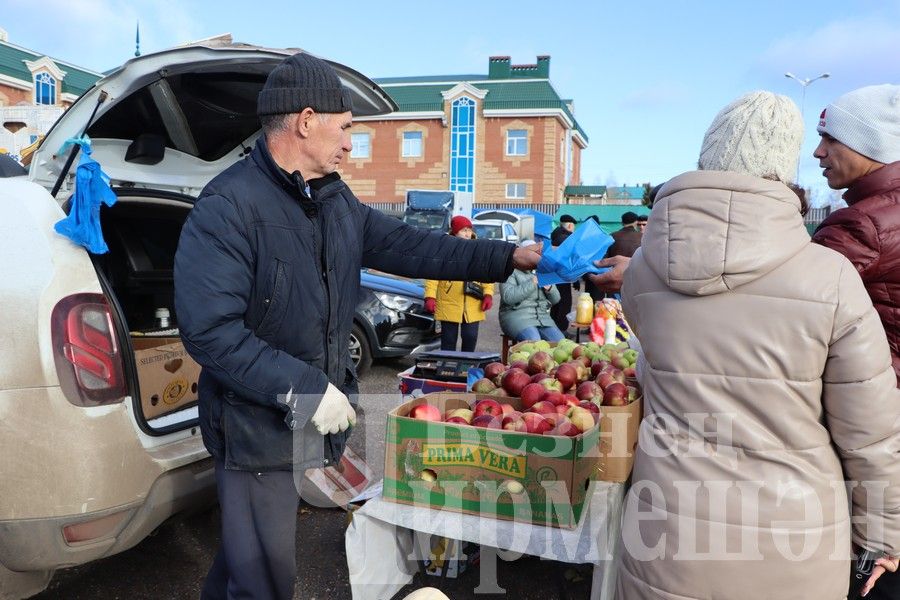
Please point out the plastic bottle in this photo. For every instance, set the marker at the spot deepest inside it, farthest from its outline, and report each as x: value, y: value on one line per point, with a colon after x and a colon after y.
x: 584, y: 309
x: 162, y: 317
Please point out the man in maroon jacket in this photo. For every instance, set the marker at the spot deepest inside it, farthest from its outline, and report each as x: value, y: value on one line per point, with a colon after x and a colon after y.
x: 860, y: 151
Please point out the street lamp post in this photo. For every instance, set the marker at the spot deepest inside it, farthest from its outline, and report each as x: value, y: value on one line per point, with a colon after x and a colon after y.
x: 804, y: 83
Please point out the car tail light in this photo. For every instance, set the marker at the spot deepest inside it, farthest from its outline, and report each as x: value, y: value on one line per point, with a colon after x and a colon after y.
x: 87, y: 531
x: 88, y: 358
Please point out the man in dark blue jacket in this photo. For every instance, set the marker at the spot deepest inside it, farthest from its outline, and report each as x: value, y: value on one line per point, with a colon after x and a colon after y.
x: 266, y: 285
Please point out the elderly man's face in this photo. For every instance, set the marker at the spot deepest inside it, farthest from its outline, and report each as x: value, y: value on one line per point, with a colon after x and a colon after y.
x: 568, y: 226
x: 842, y: 166
x: 329, y: 141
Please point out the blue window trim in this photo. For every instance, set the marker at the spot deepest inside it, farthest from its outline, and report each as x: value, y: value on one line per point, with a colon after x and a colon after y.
x: 44, y: 89
x: 462, y: 145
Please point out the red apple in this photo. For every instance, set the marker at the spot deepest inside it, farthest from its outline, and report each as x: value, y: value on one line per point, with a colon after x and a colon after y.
x: 571, y: 400
x: 597, y: 366
x: 551, y: 385
x: 567, y: 376
x: 457, y: 421
x: 629, y: 372
x: 540, y: 362
x: 538, y: 377
x: 535, y: 423
x: 544, y: 408
x: 514, y: 422
x: 578, y: 351
x: 564, y: 426
x: 487, y: 422
x: 491, y: 370
x: 619, y: 362
x: 486, y: 406
x: 581, y: 418
x: 532, y: 394
x: 426, y: 412
x: 461, y: 413
x: 588, y: 391
x: 514, y: 380
x: 616, y: 394
x: 483, y: 386
x: 518, y: 364
x: 562, y: 409
x: 507, y: 408
x: 556, y: 398
x: 592, y: 407
x: 633, y: 393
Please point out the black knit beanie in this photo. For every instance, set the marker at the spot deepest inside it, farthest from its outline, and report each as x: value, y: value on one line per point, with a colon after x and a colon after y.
x: 302, y: 81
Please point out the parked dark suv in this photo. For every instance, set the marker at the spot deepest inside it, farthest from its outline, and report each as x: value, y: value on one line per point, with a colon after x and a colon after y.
x: 390, y: 319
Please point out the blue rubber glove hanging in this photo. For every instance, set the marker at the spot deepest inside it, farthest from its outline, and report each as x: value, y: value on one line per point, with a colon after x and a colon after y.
x: 575, y: 256
x: 82, y: 225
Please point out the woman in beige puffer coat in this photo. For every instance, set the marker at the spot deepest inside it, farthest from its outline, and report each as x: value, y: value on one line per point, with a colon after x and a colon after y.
x: 767, y: 381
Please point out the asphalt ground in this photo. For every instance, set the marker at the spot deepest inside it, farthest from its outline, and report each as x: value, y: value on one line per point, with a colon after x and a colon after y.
x: 173, y: 561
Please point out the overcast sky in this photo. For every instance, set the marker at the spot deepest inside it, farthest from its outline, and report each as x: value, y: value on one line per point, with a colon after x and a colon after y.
x: 646, y: 76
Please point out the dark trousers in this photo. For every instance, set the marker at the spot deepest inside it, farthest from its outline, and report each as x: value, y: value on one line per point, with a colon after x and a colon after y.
x: 257, y: 555
x: 887, y: 587
x: 450, y: 331
x: 560, y: 310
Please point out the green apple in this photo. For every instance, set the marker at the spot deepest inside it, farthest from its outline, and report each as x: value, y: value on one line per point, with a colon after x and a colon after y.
x: 542, y: 345
x: 523, y: 356
x: 527, y: 348
x: 561, y: 355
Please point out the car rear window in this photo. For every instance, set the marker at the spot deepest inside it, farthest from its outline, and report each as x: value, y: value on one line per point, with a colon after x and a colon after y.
x: 220, y: 111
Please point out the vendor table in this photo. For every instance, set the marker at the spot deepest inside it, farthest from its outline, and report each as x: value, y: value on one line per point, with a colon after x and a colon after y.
x: 385, y: 539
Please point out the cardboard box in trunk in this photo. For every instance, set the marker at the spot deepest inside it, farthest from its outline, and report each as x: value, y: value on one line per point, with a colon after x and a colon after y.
x: 496, y: 473
x: 167, y: 375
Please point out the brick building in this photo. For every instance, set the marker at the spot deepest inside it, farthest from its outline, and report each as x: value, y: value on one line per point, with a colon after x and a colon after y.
x: 34, y: 91
x: 504, y: 137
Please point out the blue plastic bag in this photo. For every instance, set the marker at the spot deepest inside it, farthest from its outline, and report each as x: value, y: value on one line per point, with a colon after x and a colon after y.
x: 82, y: 225
x: 473, y: 375
x: 575, y: 257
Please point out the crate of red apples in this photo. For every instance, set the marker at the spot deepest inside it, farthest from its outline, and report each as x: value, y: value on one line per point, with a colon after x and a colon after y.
x: 561, y: 414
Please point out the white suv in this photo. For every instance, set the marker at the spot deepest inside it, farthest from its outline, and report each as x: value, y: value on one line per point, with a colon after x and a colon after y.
x: 86, y: 471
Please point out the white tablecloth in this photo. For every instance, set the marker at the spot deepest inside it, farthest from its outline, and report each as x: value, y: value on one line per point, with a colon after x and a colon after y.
x: 381, y: 552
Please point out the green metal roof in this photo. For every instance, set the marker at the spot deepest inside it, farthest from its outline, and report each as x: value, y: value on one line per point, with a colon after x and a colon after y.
x: 585, y: 190
x: 610, y: 215
x: 12, y: 64
x: 412, y: 96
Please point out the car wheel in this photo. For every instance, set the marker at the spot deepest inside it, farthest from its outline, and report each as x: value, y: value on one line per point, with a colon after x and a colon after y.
x: 360, y: 351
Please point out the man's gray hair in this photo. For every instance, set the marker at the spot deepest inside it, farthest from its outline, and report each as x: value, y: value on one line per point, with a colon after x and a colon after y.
x: 272, y: 124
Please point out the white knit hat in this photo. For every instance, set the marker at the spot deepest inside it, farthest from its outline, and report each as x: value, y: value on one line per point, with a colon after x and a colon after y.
x: 866, y: 120
x: 759, y: 134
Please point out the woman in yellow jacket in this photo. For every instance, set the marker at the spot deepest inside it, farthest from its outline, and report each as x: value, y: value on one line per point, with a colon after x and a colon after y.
x: 458, y: 312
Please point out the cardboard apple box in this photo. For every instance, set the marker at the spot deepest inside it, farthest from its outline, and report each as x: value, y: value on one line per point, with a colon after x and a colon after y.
x: 166, y: 373
x: 510, y: 475
x: 619, y: 428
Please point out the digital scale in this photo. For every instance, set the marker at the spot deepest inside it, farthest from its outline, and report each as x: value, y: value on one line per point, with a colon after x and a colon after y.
x: 446, y: 365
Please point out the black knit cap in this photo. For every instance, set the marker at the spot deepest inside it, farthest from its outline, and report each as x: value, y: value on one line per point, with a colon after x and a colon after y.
x: 302, y: 81
x: 629, y: 217
x: 567, y: 219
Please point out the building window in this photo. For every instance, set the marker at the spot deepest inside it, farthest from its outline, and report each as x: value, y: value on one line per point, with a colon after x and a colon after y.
x: 516, y: 191
x: 516, y: 142
x: 361, y: 145
x: 44, y: 89
x: 462, y: 145
x: 412, y: 144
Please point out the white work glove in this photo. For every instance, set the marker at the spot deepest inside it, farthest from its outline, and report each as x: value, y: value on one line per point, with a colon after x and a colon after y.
x: 334, y: 413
